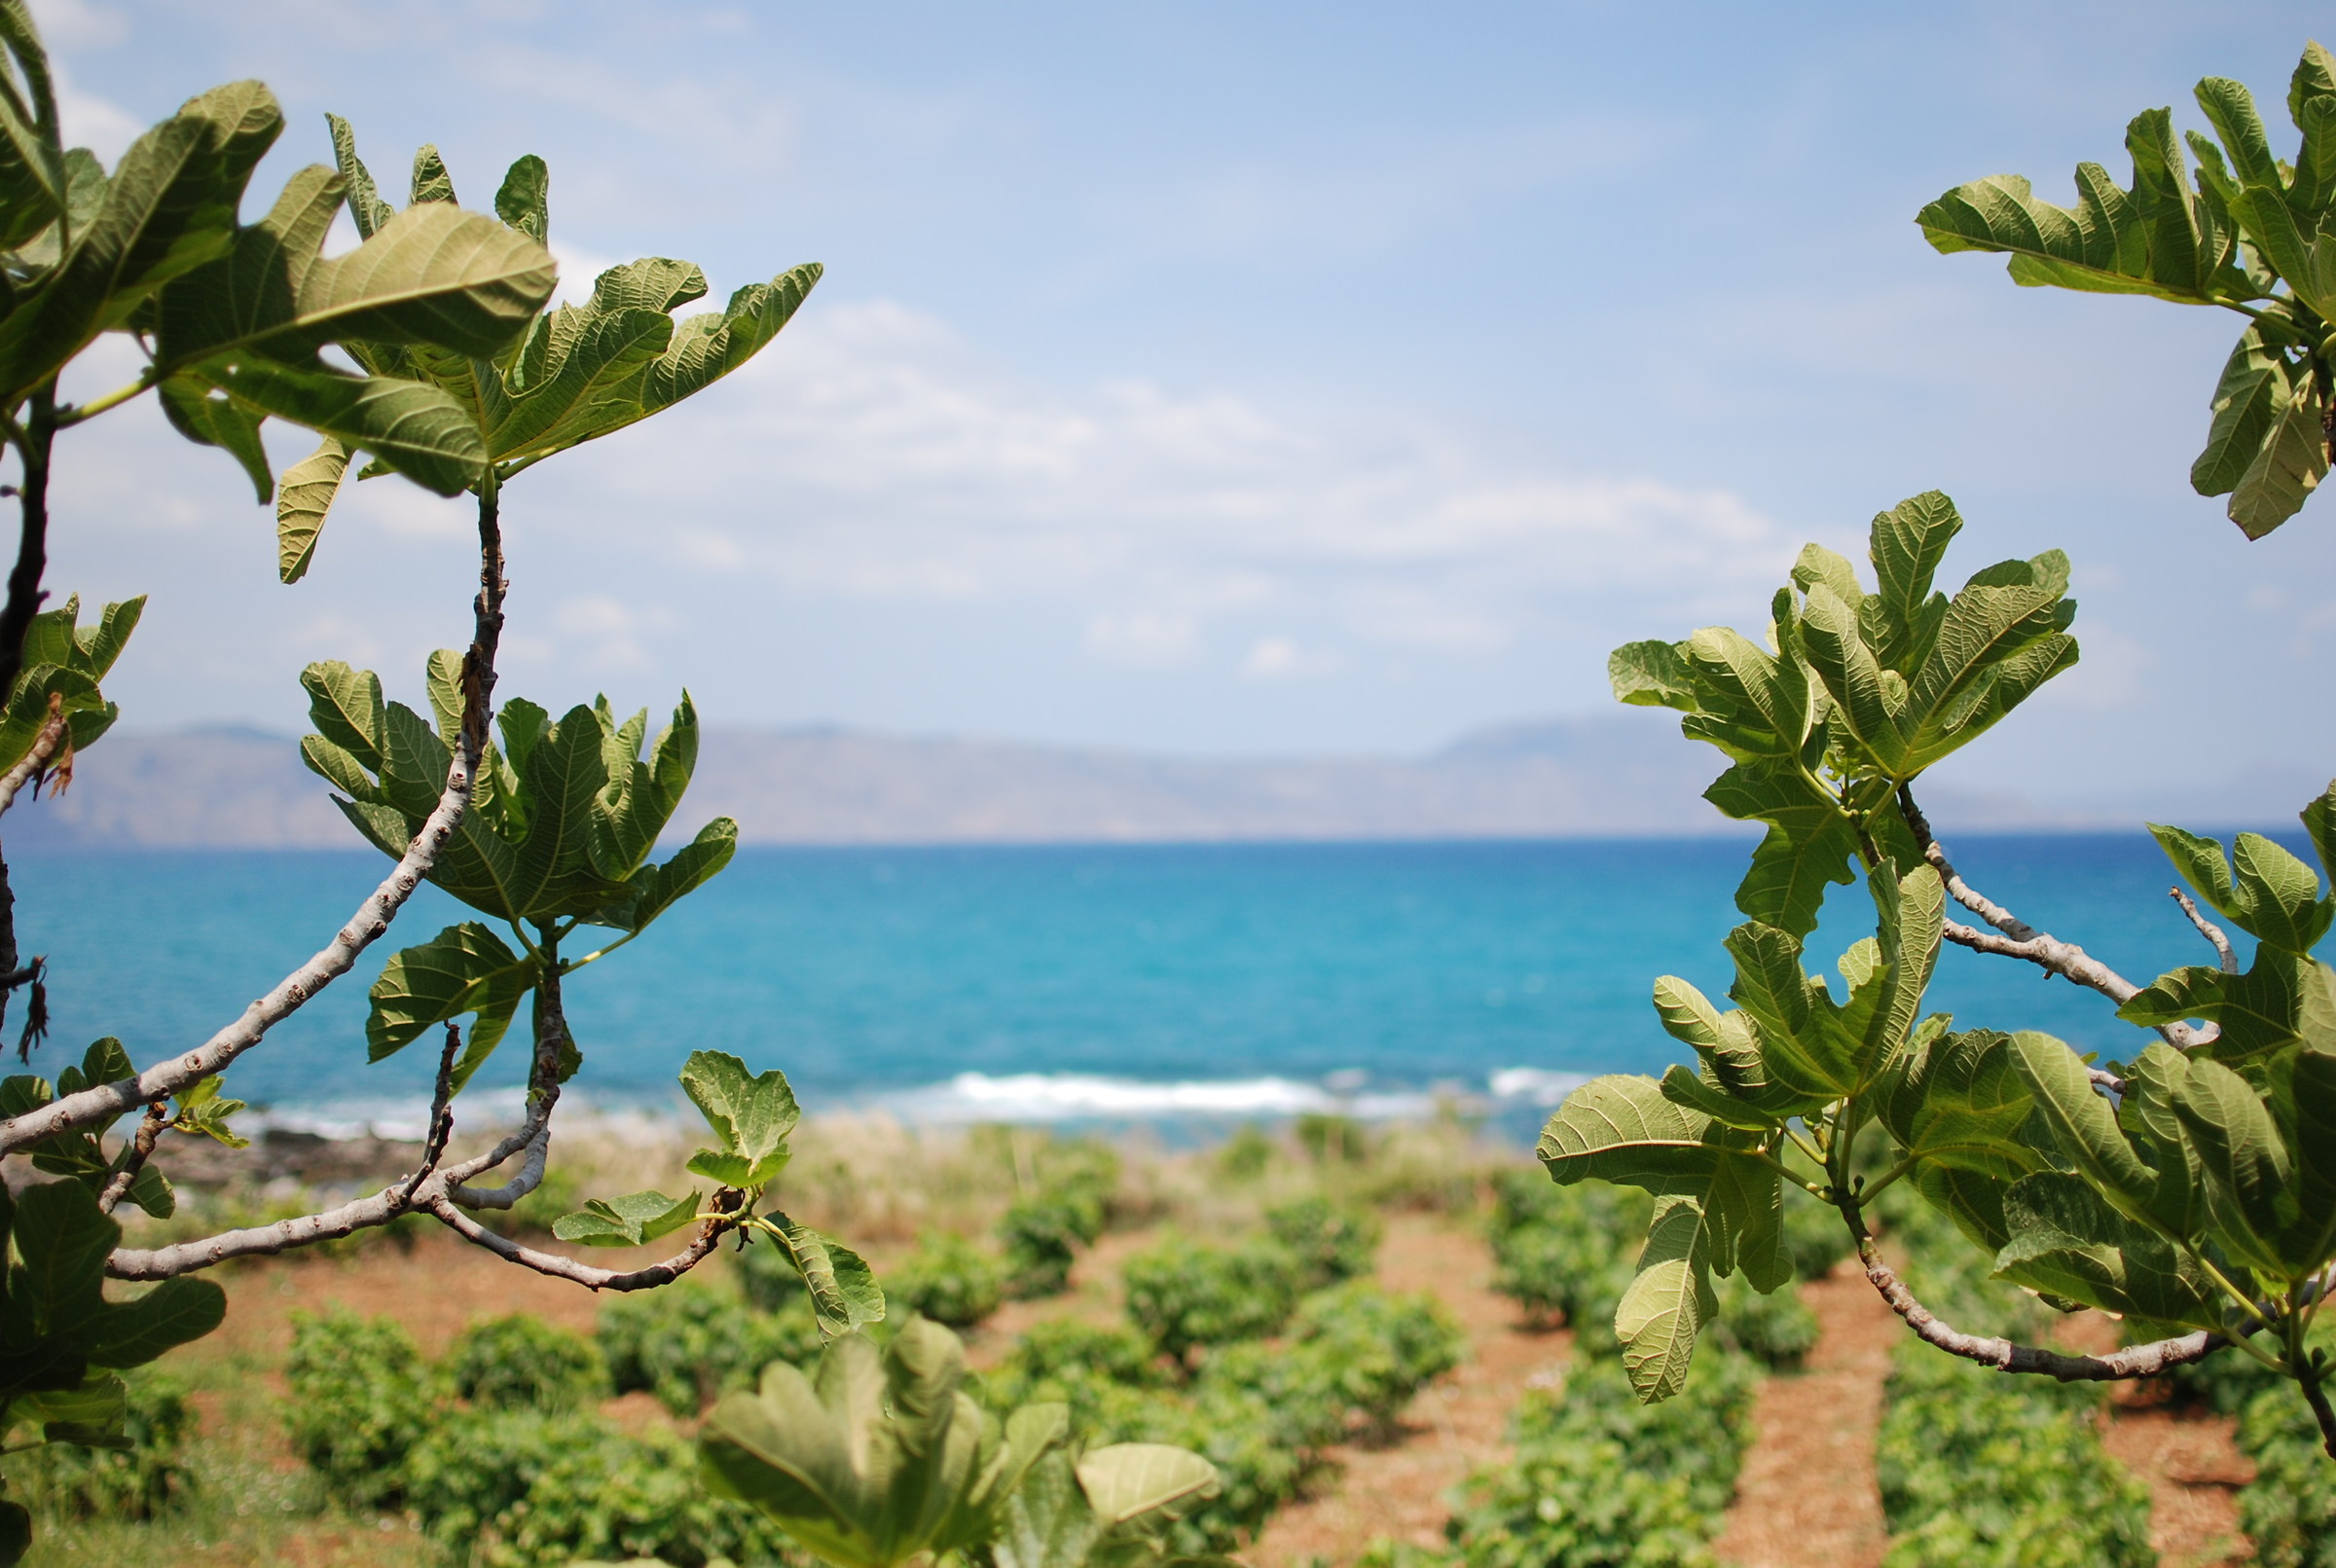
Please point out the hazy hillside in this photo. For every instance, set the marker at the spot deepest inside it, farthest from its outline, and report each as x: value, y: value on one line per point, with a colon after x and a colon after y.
x: 1621, y: 773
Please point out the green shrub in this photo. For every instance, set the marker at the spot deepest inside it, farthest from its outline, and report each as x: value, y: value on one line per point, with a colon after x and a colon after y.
x: 689, y: 1342
x: 1295, y: 1388
x: 1564, y: 1253
x: 360, y: 1401
x: 1235, y: 1430
x: 1187, y: 1295
x: 1332, y: 1140
x: 2290, y: 1509
x: 1261, y: 1413
x: 1062, y: 1213
x: 1043, y: 1236
x: 516, y: 1488
x: 948, y: 1279
x: 1247, y: 1153
x: 1331, y: 1244
x: 1777, y: 1330
x: 524, y: 1362
x: 63, y: 1480
x: 1118, y: 1390
x: 1075, y: 1363
x: 1599, y: 1480
x: 1354, y: 1358
x: 1376, y: 1348
x: 1981, y: 1471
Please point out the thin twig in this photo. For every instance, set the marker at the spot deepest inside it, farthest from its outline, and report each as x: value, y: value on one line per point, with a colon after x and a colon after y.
x: 368, y: 925
x: 534, y: 1134
x: 725, y: 1200
x: 2118, y: 1366
x: 2013, y: 937
x: 141, y: 1148
x: 442, y: 1112
x: 2209, y: 930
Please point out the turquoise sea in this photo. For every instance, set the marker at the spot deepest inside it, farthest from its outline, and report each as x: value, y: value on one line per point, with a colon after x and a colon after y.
x: 1184, y: 983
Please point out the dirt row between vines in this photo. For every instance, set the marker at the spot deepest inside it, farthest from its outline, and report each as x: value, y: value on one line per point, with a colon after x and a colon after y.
x: 1807, y: 1498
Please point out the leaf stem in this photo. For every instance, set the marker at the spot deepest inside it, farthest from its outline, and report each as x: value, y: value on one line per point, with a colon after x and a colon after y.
x: 519, y: 928
x: 2228, y: 1288
x: 114, y: 399
x: 1790, y: 1175
x: 571, y: 965
x: 1801, y: 1143
x: 1905, y: 1165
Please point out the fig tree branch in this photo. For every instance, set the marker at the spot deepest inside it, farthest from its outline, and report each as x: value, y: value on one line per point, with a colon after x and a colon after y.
x: 2118, y: 1366
x: 727, y: 1203
x: 141, y: 1148
x: 32, y: 441
x: 13, y: 971
x: 2013, y: 937
x: 367, y: 926
x: 2209, y: 930
x: 266, y: 1241
x: 442, y: 1112
x: 534, y: 1133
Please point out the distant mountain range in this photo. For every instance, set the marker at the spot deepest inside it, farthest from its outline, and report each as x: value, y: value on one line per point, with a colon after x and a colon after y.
x: 1611, y: 776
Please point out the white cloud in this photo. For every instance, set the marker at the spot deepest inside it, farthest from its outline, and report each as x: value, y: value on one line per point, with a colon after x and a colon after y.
x: 1281, y: 658
x: 578, y: 270
x: 1144, y: 638
x: 79, y: 25
x: 870, y: 455
x: 604, y: 635
x: 86, y: 120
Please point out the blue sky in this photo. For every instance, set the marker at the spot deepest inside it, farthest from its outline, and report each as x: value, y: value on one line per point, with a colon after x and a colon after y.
x: 1253, y: 378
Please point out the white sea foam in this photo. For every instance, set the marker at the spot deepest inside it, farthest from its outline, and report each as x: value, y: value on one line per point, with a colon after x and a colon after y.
x: 975, y: 1097
x: 1537, y: 1084
x: 1093, y: 1097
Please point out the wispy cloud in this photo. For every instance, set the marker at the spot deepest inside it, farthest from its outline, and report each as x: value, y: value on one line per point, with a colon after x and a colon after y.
x: 871, y: 455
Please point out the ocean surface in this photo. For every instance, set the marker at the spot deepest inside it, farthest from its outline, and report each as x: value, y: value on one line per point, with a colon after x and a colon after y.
x: 1179, y: 984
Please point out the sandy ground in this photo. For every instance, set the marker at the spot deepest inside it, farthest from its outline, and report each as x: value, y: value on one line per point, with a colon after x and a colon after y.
x: 1807, y: 1495
x: 2194, y: 1471
x: 1455, y: 1424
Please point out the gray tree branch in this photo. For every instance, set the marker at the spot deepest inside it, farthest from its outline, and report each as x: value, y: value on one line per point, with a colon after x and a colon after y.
x: 725, y: 1201
x: 2118, y: 1366
x: 141, y: 1148
x: 2013, y: 937
x: 266, y: 1241
x: 367, y: 926
x: 2209, y: 930
x: 534, y: 1134
x: 441, y: 1113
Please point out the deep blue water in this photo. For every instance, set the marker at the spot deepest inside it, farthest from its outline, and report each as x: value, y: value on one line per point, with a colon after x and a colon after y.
x: 886, y: 974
